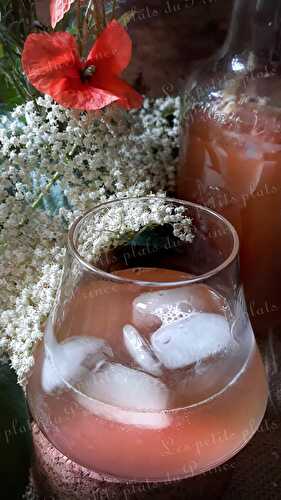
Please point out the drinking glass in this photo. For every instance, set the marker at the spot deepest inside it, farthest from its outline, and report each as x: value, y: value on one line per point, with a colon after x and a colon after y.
x: 149, y: 369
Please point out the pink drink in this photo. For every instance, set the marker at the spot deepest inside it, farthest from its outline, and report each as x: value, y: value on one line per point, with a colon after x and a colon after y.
x: 198, y: 416
x: 233, y: 166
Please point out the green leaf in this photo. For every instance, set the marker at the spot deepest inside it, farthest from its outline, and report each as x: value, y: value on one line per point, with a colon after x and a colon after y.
x: 17, y: 20
x: 15, y: 436
x: 9, y: 97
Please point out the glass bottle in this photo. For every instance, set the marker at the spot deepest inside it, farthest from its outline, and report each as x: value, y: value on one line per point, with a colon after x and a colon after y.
x: 231, y: 148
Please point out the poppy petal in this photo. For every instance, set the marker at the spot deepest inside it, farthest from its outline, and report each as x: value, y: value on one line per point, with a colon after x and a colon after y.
x: 83, y: 98
x: 58, y: 8
x: 46, y: 57
x: 127, y: 97
x: 112, y: 50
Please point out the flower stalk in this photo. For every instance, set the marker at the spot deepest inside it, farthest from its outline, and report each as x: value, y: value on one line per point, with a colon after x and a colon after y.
x: 99, y: 15
x: 45, y: 191
x: 79, y: 28
x: 114, y: 5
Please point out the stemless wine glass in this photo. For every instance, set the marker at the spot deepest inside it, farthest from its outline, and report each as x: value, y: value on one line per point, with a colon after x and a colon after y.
x: 149, y: 368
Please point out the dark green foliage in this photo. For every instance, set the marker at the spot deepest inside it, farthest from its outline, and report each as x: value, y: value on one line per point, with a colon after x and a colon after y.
x: 15, y: 436
x: 17, y: 20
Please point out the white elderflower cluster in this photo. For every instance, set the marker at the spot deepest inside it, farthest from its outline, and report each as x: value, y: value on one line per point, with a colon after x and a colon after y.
x: 75, y: 162
x: 116, y: 152
x: 115, y: 224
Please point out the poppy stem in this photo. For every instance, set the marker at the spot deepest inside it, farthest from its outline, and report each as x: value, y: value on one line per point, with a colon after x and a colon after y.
x: 79, y: 27
x: 113, y: 9
x: 90, y: 22
x: 88, y: 7
x: 99, y: 15
x: 97, y: 19
x: 103, y: 13
x: 87, y: 23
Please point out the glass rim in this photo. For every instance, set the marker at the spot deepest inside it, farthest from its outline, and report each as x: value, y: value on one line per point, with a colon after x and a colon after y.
x: 169, y: 284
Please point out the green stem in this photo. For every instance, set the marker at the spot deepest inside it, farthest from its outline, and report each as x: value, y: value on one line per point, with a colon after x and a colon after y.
x: 99, y: 15
x: 96, y: 21
x: 46, y: 190
x: 114, y: 4
x: 86, y: 23
x: 88, y: 8
x: 79, y: 27
x: 103, y: 13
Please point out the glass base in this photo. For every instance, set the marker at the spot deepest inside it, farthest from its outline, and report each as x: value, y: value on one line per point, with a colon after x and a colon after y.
x: 196, y: 439
x: 48, y: 457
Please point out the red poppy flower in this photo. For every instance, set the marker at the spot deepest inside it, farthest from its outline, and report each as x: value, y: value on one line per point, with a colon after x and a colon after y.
x: 53, y: 66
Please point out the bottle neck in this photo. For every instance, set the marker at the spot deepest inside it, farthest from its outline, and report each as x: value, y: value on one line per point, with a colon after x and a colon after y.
x: 255, y: 30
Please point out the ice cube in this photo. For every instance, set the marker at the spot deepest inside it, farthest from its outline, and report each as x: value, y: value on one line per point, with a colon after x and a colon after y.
x: 173, y: 304
x: 147, y: 307
x: 70, y: 360
x: 125, y: 395
x: 140, y: 351
x: 190, y: 340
